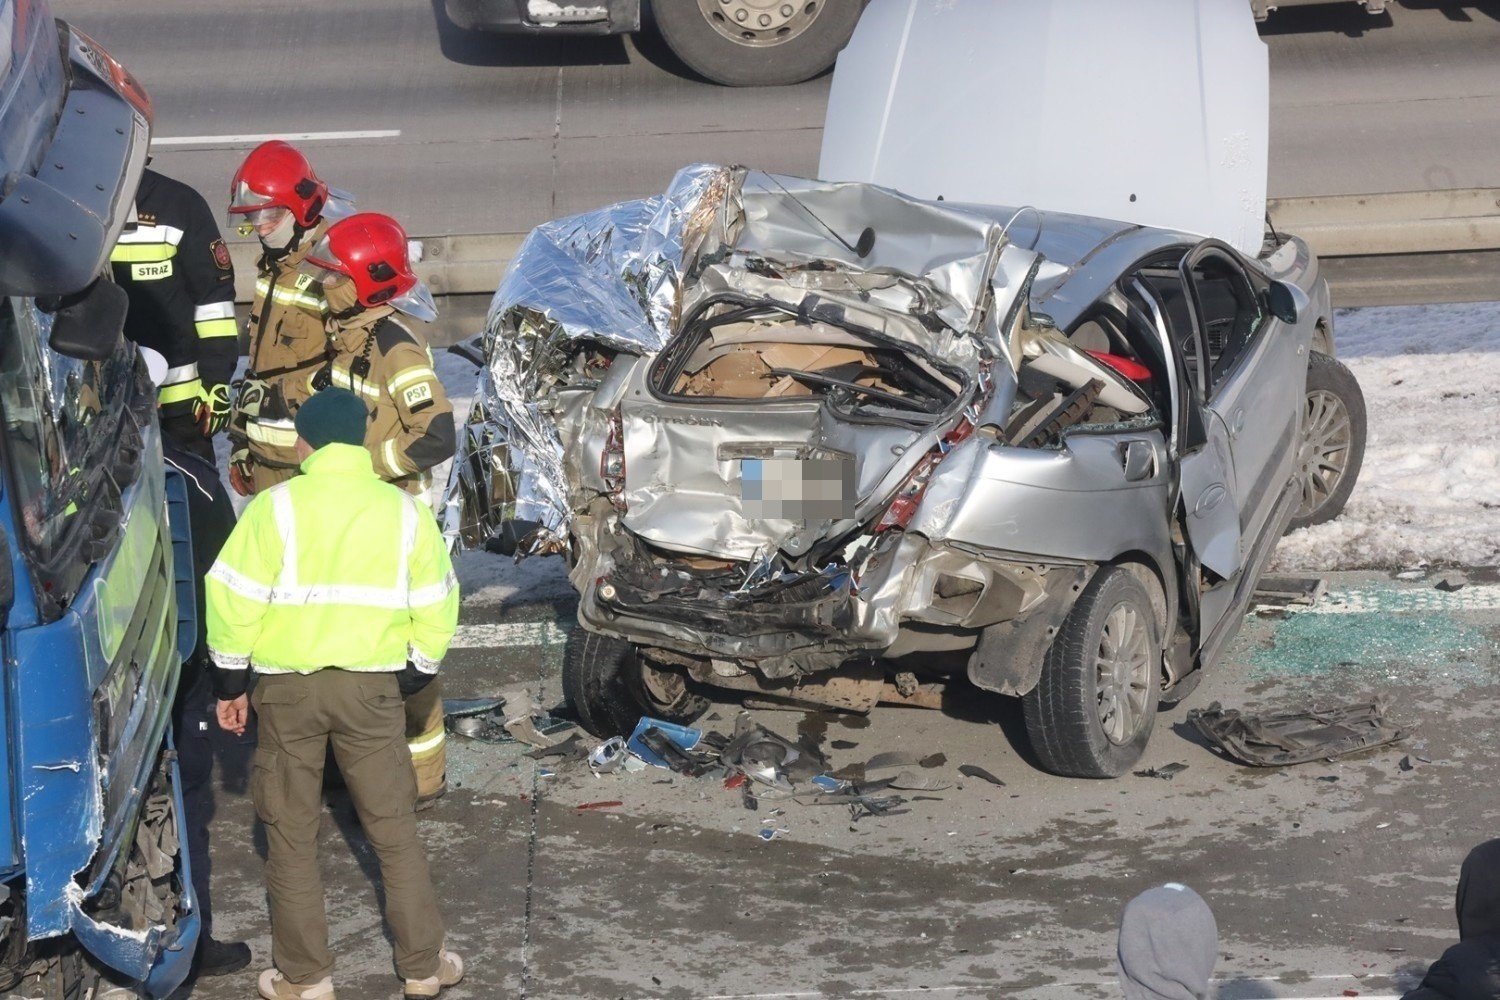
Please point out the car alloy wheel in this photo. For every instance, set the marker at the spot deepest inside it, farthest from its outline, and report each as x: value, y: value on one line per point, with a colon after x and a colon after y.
x: 1124, y: 674
x: 1327, y: 433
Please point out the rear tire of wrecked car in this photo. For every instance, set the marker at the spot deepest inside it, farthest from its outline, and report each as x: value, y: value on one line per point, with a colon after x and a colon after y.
x: 609, y: 687
x: 1333, y: 441
x: 1092, y: 712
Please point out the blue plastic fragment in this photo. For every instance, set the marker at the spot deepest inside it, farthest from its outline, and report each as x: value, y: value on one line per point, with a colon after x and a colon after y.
x: 683, y: 737
x: 827, y: 783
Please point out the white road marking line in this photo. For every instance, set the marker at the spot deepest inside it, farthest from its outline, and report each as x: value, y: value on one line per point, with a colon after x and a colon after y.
x: 255, y: 140
x: 510, y: 634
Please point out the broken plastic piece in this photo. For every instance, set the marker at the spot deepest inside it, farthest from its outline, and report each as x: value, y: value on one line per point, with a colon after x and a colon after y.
x: 828, y: 783
x: 1166, y: 772
x: 911, y: 781
x: 610, y: 804
x: 681, y: 737
x: 608, y: 756
x: 1283, y: 738
x: 1288, y: 591
x: 974, y: 771
x: 570, y: 747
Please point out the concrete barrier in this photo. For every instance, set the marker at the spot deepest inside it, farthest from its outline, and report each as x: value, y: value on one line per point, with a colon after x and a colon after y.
x: 1336, y: 226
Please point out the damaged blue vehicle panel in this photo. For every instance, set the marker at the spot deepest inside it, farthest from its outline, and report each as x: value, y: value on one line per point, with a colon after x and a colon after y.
x: 92, y: 855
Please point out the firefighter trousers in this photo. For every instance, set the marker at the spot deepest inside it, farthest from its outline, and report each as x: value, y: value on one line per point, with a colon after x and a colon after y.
x: 426, y: 738
x: 360, y: 714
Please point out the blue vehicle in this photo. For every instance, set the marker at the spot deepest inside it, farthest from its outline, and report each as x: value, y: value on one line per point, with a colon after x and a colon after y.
x: 96, y: 607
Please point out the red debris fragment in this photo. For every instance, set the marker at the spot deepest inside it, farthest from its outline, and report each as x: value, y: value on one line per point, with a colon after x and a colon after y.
x: 736, y: 780
x: 611, y: 804
x: 1351, y: 993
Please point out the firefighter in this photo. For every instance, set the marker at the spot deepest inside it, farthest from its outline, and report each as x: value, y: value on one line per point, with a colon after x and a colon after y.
x: 276, y: 194
x: 337, y: 590
x: 363, y: 269
x: 175, y: 267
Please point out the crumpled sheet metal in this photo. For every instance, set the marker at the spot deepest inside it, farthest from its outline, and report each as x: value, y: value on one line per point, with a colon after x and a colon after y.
x: 611, y: 276
x: 1277, y: 739
x: 615, y: 276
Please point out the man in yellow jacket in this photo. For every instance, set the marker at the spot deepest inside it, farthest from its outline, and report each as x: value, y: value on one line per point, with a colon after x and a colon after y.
x: 336, y: 590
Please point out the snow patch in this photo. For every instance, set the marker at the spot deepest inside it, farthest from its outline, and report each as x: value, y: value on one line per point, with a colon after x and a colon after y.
x: 1430, y: 487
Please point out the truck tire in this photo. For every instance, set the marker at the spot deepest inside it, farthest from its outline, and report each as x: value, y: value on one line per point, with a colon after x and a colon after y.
x: 1092, y: 712
x: 1333, y: 441
x: 609, y: 687
x: 757, y: 43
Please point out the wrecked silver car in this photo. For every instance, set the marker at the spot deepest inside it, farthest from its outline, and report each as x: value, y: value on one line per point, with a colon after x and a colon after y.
x: 794, y: 437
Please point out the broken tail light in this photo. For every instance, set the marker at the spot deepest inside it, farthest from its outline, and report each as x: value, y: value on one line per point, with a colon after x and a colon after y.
x: 612, y: 460
x: 909, y: 496
x: 110, y: 68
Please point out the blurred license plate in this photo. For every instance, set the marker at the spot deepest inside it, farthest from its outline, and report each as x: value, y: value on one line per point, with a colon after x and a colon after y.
x: 797, y: 489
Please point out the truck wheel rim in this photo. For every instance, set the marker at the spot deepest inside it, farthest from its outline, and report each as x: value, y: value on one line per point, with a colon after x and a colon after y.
x: 760, y: 23
x: 1124, y: 674
x: 1324, y: 455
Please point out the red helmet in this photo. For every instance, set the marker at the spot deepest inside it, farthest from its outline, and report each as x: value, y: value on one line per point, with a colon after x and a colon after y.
x: 371, y: 249
x: 277, y: 175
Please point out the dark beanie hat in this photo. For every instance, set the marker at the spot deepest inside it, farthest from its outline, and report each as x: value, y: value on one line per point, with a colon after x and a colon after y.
x: 333, y: 416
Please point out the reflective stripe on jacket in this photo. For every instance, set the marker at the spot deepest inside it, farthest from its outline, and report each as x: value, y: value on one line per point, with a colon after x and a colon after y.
x: 287, y: 344
x: 176, y: 270
x: 332, y: 569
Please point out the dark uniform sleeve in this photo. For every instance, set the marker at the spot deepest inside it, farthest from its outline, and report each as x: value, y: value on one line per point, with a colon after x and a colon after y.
x: 427, y: 435
x: 204, y: 260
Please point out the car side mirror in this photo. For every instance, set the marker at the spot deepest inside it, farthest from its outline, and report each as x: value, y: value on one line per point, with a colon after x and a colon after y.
x: 87, y: 325
x: 1287, y: 302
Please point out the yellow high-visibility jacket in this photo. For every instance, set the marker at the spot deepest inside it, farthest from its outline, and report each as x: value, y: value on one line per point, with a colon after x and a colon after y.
x: 334, y: 568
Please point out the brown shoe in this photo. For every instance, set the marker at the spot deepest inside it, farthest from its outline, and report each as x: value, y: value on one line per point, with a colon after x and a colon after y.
x: 274, y: 986
x: 450, y: 972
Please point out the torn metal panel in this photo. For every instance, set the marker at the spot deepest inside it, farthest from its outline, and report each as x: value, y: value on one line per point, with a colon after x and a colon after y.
x: 1280, y: 738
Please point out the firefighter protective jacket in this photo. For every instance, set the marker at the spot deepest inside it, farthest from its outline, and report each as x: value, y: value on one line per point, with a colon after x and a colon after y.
x: 389, y: 366
x: 287, y: 344
x: 333, y: 568
x: 176, y: 269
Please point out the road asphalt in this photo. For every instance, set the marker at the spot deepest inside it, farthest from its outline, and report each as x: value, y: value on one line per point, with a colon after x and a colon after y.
x: 1324, y: 878
x: 499, y: 133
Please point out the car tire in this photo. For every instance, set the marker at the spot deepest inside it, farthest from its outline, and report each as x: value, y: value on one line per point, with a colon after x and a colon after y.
x: 1333, y: 441
x: 1112, y: 626
x: 609, y: 687
x: 688, y: 33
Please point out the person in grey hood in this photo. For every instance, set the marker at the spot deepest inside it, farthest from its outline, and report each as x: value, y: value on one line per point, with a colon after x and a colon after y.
x: 1168, y: 945
x: 1470, y: 970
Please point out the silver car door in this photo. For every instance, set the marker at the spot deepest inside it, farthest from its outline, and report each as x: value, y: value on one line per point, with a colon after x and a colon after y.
x: 1201, y: 440
x: 1253, y: 379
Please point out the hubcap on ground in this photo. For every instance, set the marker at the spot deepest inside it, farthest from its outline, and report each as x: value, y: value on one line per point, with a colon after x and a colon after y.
x: 760, y: 22
x: 1124, y: 674
x: 1324, y: 454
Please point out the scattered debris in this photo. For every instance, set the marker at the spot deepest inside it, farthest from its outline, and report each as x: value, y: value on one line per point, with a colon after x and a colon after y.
x: 1282, y: 738
x: 934, y: 760
x: 1288, y: 591
x: 843, y: 744
x: 910, y: 781
x: 1166, y: 772
x: 975, y: 771
x: 768, y: 758
x: 608, y: 756
x: 572, y: 746
x: 1451, y: 581
x: 1328, y: 777
x: 609, y: 804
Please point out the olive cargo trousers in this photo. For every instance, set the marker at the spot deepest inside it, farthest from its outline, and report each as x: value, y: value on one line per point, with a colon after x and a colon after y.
x: 361, y: 714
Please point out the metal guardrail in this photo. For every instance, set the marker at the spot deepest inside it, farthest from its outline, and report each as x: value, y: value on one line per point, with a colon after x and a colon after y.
x: 1336, y: 226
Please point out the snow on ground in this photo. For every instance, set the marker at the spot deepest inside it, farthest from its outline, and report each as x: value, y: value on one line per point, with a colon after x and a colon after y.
x: 1429, y: 491
x: 1430, y: 487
